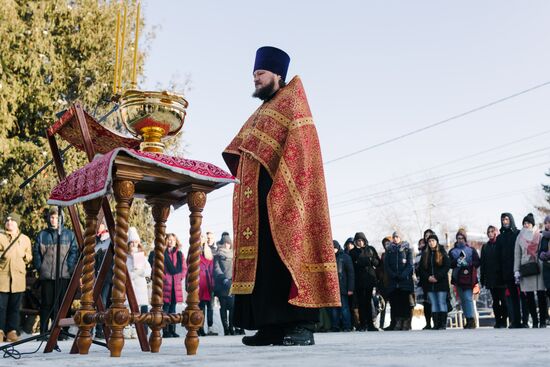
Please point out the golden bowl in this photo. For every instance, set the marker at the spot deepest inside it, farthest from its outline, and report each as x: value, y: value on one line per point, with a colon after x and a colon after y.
x: 152, y: 116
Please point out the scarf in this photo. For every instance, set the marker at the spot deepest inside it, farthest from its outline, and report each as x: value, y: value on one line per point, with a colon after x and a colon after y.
x: 169, y: 265
x: 529, y: 240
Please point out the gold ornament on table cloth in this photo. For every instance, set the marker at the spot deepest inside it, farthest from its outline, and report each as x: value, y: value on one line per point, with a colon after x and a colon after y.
x: 152, y: 116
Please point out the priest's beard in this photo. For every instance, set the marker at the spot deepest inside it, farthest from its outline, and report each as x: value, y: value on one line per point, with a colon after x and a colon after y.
x: 265, y: 92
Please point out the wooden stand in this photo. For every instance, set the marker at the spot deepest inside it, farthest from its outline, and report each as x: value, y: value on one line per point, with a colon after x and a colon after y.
x: 161, y: 188
x: 77, y: 116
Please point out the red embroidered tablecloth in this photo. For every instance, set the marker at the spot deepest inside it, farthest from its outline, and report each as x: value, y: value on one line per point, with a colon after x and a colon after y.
x: 95, y: 179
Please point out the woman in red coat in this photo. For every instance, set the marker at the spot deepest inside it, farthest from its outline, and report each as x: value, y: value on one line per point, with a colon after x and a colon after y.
x: 206, y: 288
x: 174, y: 272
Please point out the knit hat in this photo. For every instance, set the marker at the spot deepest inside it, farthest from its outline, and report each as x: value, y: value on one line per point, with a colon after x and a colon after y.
x: 547, y: 219
x: 336, y: 245
x: 13, y: 216
x: 386, y: 239
x: 133, y: 235
x: 529, y: 218
x: 395, y: 234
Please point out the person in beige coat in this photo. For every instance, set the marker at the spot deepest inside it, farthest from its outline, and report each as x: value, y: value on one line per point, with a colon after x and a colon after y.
x: 526, y: 251
x: 15, y: 254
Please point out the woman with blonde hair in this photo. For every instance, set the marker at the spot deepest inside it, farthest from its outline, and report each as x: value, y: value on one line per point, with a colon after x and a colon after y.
x: 139, y: 269
x: 174, y: 271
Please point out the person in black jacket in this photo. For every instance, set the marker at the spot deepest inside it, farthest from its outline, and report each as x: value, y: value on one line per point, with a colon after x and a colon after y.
x: 223, y: 266
x: 506, y: 242
x: 365, y: 260
x: 346, y: 280
x: 399, y: 267
x: 434, y: 277
x: 491, y: 277
x: 544, y: 255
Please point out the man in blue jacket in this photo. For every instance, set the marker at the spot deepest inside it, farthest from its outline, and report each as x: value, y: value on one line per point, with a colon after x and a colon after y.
x: 45, y: 261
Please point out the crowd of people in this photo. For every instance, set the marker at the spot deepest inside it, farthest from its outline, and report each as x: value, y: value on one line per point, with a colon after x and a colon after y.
x: 513, y: 265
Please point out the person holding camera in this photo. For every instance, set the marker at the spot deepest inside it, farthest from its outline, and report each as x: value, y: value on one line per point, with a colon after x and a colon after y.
x: 464, y: 262
x: 15, y: 255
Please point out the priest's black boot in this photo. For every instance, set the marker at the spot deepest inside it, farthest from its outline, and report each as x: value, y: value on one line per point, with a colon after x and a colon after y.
x: 265, y: 336
x: 298, y: 335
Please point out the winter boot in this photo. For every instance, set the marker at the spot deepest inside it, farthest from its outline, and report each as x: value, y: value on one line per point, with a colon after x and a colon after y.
x: 12, y: 336
x: 435, y: 318
x: 298, y: 335
x: 443, y: 321
x: 201, y: 331
x: 356, y: 319
x: 211, y: 331
x: 399, y: 323
x: 428, y: 315
x: 166, y: 332
x: 406, y: 324
x: 470, y: 323
x: 263, y: 337
x: 371, y: 327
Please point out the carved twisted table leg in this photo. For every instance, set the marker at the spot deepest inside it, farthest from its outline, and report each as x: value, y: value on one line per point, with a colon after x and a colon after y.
x: 192, y: 317
x: 84, y: 317
x: 160, y: 214
x: 118, y: 314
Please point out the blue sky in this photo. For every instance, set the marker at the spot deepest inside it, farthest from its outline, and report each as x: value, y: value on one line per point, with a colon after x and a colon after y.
x: 374, y: 70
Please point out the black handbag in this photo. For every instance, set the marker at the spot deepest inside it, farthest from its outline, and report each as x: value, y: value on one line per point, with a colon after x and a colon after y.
x: 529, y: 269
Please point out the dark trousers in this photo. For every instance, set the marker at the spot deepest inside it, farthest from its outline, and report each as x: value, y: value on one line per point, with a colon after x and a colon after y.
x: 10, y: 304
x: 499, y: 305
x: 532, y: 306
x: 514, y: 308
x: 208, y: 310
x: 170, y: 307
x: 48, y: 300
x: 364, y: 299
x: 226, y: 306
x: 400, y: 304
x: 341, y: 315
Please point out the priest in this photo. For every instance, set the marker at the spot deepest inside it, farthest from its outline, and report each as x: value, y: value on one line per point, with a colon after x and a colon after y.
x: 284, y: 268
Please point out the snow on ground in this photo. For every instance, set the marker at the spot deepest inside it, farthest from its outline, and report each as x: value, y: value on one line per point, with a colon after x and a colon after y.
x: 453, y: 347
